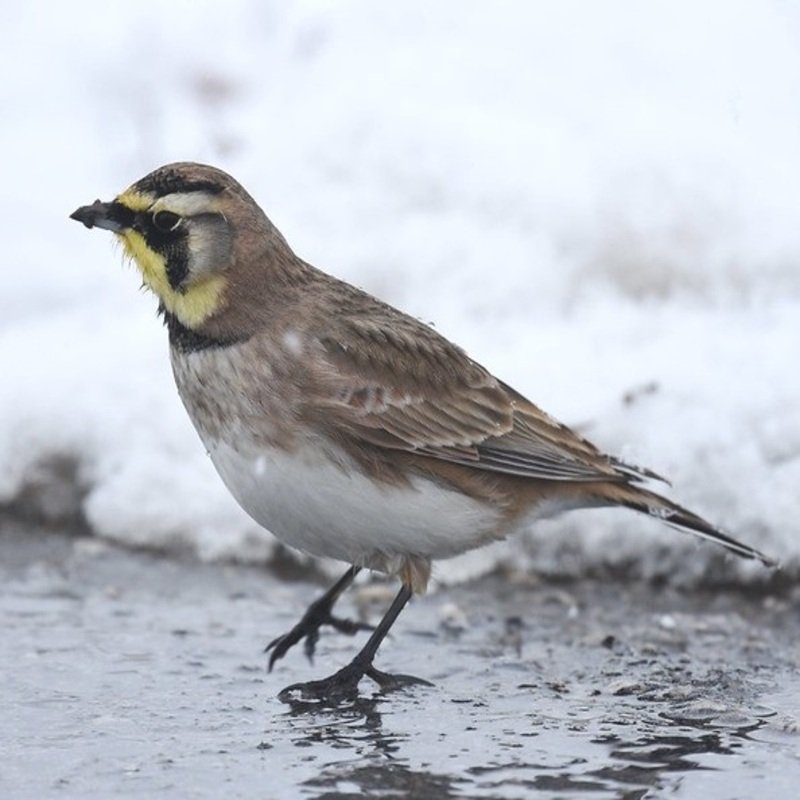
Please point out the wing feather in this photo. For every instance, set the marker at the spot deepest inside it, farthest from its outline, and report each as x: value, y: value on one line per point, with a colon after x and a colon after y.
x: 401, y: 386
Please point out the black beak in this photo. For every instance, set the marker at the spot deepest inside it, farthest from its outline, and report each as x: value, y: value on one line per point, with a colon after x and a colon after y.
x: 111, y: 216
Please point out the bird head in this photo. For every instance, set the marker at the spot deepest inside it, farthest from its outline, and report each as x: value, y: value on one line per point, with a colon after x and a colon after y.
x: 197, y: 237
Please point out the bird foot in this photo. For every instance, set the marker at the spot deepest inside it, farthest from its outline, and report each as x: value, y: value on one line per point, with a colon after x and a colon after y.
x: 343, y: 685
x: 317, y: 615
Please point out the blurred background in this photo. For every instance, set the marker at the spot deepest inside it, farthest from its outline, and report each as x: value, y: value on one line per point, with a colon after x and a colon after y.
x: 598, y: 201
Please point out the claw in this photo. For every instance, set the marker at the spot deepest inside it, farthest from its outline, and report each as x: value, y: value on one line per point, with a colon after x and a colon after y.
x: 311, y: 644
x: 281, y: 646
x: 343, y: 685
x: 317, y: 615
x: 308, y: 629
x: 389, y: 682
x: 348, y: 626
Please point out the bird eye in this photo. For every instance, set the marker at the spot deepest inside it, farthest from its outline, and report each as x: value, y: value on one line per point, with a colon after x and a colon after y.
x: 166, y: 220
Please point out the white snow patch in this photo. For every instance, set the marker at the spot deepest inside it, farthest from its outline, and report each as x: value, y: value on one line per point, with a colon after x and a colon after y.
x: 587, y: 197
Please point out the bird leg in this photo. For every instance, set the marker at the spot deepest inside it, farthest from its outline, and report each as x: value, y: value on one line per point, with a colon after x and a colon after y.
x: 343, y: 685
x: 317, y: 615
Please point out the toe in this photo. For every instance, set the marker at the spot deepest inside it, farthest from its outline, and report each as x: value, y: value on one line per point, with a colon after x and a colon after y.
x: 348, y: 626
x: 389, y: 682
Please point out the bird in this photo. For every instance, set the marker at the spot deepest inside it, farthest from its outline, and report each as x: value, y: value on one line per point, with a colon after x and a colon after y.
x: 347, y: 428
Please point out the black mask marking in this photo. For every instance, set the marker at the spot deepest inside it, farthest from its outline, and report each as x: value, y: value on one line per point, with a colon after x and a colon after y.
x: 188, y: 341
x: 173, y: 245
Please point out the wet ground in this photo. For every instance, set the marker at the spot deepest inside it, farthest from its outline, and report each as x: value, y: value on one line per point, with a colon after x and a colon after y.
x: 131, y: 675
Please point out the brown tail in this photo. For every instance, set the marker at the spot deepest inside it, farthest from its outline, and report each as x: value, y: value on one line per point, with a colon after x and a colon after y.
x: 672, y: 514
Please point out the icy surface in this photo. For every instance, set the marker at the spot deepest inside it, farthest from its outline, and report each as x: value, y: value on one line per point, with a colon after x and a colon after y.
x: 132, y: 676
x: 599, y: 203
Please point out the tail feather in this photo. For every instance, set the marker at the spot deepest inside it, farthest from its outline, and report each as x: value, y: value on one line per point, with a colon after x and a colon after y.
x: 672, y: 514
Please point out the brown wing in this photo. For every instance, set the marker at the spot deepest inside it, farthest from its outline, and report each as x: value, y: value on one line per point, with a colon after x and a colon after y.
x: 397, y: 384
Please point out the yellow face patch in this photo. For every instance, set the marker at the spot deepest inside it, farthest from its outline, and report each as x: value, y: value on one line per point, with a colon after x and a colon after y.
x: 197, y: 301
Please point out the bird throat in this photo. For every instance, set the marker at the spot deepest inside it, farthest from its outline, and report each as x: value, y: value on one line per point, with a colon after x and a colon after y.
x: 192, y: 304
x: 190, y: 340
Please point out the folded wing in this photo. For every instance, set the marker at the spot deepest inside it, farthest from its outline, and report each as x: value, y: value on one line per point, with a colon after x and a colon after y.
x: 404, y: 387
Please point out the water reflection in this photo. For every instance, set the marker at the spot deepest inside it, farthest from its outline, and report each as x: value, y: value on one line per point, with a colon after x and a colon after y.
x: 378, y: 770
x: 370, y: 750
x: 355, y: 723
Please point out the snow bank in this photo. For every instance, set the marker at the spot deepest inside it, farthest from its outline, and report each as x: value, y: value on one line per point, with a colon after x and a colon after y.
x: 598, y: 202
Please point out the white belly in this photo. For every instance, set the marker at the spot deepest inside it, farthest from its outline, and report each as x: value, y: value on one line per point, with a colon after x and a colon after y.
x: 312, y: 504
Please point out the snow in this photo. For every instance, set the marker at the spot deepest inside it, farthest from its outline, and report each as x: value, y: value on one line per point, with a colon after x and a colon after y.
x: 597, y: 200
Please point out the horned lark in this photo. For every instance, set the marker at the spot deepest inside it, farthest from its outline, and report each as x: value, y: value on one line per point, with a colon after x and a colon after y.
x: 347, y: 428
